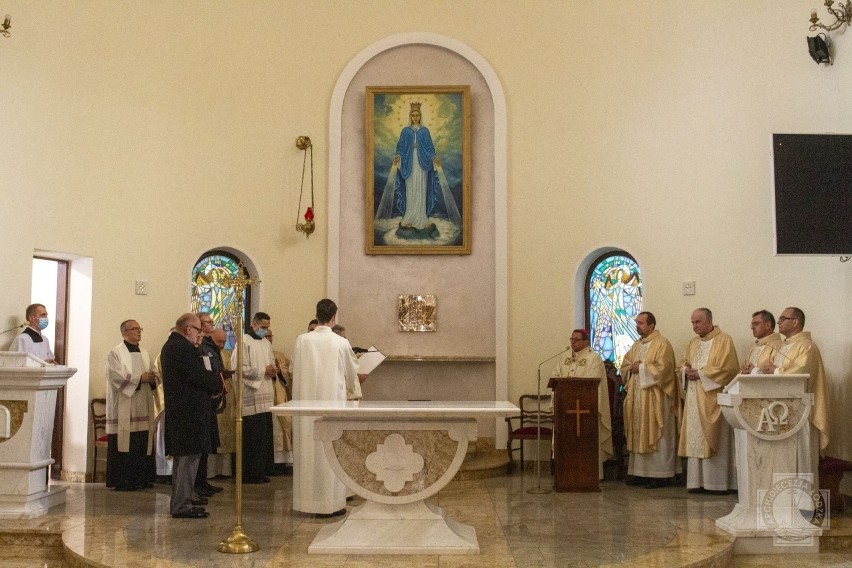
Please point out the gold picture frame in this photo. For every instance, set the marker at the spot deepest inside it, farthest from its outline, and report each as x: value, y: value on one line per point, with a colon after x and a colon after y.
x: 422, y: 205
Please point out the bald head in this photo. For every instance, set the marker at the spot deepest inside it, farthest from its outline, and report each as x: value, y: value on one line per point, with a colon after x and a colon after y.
x: 702, y: 321
x: 220, y: 338
x: 189, y: 326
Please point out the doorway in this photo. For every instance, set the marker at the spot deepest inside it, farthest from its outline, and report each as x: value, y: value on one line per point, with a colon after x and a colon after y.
x: 50, y: 287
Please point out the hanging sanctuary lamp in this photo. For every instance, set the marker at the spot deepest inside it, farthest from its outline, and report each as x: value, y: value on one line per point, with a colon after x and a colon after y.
x: 304, y: 143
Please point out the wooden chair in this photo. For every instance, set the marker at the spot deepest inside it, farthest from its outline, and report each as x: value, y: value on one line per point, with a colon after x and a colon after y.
x: 525, y: 425
x: 99, y: 435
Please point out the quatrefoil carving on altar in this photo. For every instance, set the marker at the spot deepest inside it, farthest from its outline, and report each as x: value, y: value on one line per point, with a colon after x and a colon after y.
x: 394, y: 462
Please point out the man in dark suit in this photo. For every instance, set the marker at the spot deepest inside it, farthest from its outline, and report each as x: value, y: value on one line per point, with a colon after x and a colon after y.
x: 188, y: 384
x: 210, y: 351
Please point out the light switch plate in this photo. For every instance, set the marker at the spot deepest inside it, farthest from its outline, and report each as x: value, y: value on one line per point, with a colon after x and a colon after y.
x: 141, y: 287
x: 689, y: 288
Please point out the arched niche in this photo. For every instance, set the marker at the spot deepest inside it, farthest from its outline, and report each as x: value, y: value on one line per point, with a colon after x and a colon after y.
x: 366, y: 286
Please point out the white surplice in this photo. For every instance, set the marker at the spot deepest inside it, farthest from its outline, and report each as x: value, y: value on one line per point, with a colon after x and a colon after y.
x: 129, y: 407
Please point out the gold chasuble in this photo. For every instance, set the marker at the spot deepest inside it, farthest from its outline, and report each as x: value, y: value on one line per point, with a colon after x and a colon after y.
x: 283, y: 440
x: 798, y: 354
x: 721, y: 367
x: 763, y: 350
x: 659, y: 367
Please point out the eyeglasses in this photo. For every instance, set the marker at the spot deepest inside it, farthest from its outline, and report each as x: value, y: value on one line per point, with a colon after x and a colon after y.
x: 785, y: 318
x: 133, y: 329
x: 198, y: 329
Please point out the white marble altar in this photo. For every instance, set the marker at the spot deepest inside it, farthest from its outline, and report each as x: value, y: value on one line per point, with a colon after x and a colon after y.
x: 28, y: 389
x: 396, y: 454
x: 770, y: 415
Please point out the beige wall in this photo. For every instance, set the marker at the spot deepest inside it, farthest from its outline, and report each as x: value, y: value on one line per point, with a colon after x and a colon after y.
x: 642, y: 125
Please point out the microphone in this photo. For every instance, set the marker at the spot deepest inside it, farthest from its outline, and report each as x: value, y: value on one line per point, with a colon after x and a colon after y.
x: 12, y: 329
x: 566, y: 350
x: 539, y: 490
x: 779, y: 352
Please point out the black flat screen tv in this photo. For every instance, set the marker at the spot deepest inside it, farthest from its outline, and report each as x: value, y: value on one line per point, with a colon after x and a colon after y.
x: 812, y: 177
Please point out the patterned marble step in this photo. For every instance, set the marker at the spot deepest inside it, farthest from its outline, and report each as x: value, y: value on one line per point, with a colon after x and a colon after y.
x: 31, y: 550
x: 839, y: 536
x: 697, y: 545
x: 483, y: 461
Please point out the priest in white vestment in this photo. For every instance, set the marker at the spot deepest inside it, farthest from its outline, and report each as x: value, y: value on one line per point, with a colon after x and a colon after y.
x: 324, y: 368
x: 709, y: 363
x: 651, y: 407
x: 31, y: 339
x: 131, y: 379
x: 582, y: 362
x: 766, y: 342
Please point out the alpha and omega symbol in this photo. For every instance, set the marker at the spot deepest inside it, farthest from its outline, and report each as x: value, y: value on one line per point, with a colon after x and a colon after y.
x: 775, y: 414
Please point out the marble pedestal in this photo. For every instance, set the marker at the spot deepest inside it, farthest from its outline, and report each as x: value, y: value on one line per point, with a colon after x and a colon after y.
x: 28, y: 389
x: 395, y: 455
x: 775, y: 466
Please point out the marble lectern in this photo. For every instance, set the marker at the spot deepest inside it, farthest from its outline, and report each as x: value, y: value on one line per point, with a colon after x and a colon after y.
x: 780, y: 509
x: 395, y: 455
x: 28, y: 389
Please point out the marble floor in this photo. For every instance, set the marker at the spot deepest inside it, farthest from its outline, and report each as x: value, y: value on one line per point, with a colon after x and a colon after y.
x: 620, y: 525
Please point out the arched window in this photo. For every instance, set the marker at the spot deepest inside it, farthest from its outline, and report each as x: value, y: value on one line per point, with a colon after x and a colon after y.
x: 613, y: 300
x: 209, y: 294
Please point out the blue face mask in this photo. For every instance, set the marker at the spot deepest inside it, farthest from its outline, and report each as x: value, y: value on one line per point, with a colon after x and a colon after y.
x: 43, y: 323
x: 260, y: 332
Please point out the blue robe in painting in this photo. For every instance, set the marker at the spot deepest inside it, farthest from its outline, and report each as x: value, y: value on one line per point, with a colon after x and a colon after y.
x: 435, y: 206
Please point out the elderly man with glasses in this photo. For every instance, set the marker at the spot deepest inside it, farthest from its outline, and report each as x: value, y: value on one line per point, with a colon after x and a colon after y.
x: 188, y: 382
x: 131, y: 378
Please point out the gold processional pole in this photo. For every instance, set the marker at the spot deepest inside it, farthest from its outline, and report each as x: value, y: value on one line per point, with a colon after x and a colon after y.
x: 239, y: 542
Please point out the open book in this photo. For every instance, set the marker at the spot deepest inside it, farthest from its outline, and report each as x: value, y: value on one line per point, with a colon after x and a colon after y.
x: 369, y: 360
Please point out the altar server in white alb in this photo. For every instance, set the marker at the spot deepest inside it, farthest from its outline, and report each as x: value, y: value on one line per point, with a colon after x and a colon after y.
x: 582, y: 362
x: 31, y: 340
x: 131, y: 379
x: 709, y: 363
x: 324, y: 368
x: 259, y: 372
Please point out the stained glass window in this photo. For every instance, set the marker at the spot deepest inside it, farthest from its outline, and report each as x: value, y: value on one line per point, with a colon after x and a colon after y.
x: 209, y: 294
x: 613, y: 300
